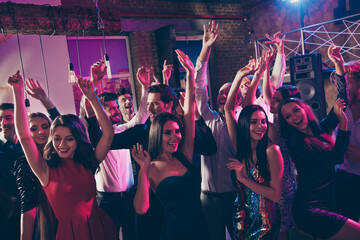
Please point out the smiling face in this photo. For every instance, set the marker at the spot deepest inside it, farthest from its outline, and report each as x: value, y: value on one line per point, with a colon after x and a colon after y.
x: 155, y: 105
x: 64, y: 142
x: 295, y: 116
x: 171, y: 137
x: 258, y: 125
x: 112, y: 110
x: 7, y: 126
x: 275, y: 102
x: 126, y: 104
x: 39, y: 129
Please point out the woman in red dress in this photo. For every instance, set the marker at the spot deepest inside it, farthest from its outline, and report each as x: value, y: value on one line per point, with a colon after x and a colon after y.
x: 66, y: 170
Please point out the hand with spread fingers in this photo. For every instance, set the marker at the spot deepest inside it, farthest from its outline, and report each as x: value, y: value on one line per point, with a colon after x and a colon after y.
x: 277, y: 40
x: 238, y: 167
x: 185, y: 61
x: 210, y: 34
x: 141, y: 156
x: 35, y: 90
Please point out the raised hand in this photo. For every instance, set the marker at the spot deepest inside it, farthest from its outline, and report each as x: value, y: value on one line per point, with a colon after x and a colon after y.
x: 268, y: 56
x: 234, y: 164
x: 86, y: 87
x: 249, y: 69
x: 166, y: 72
x: 35, y: 90
x: 143, y: 76
x: 156, y: 81
x: 335, y: 54
x: 98, y: 70
x: 16, y: 81
x: 339, y: 107
x: 141, y: 156
x: 210, y: 34
x: 185, y: 61
x: 277, y: 40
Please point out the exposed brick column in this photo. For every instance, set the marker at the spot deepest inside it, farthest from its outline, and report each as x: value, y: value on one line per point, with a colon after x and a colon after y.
x: 166, y: 45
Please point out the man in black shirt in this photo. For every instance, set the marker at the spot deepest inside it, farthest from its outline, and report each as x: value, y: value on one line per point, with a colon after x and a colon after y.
x: 10, y: 150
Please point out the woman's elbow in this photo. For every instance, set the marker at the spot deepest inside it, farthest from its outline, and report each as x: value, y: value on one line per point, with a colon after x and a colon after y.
x: 276, y: 197
x: 141, y: 210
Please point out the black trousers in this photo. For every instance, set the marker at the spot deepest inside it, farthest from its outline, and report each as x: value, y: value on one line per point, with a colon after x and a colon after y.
x: 119, y: 206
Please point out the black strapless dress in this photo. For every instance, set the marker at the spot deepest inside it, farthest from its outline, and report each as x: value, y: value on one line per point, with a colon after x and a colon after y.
x: 180, y: 198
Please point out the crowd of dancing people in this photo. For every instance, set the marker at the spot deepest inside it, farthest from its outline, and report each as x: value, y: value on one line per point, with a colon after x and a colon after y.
x: 177, y: 169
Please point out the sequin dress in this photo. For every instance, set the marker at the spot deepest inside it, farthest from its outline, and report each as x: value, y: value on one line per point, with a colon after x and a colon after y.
x: 288, y: 187
x: 255, y: 217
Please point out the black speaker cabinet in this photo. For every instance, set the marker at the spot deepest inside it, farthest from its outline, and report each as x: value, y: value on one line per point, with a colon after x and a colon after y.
x: 306, y: 75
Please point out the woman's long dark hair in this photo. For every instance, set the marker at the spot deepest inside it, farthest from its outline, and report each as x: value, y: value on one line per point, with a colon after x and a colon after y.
x: 288, y: 131
x: 244, y: 152
x: 84, y: 152
x: 46, y: 218
x: 156, y: 131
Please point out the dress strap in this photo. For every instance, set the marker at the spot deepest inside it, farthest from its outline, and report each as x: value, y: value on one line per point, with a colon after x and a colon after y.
x: 185, y: 161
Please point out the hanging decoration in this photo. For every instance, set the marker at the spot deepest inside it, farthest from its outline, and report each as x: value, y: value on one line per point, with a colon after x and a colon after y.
x: 101, y: 25
x: 72, y: 76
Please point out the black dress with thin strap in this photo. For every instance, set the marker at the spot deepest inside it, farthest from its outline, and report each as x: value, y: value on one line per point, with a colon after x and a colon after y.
x: 180, y: 198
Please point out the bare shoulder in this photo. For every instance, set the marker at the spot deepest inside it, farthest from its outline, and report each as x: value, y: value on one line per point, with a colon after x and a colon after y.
x: 273, y: 154
x: 272, y: 148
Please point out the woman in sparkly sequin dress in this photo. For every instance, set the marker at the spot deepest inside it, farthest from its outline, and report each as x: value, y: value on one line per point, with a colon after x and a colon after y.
x: 258, y: 168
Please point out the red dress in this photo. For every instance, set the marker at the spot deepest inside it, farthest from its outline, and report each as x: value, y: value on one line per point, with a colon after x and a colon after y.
x: 71, y: 192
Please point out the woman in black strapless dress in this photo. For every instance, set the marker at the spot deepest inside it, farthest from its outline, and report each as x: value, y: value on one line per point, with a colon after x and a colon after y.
x: 170, y: 174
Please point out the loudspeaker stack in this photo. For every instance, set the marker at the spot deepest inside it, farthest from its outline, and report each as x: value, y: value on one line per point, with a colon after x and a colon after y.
x: 306, y: 75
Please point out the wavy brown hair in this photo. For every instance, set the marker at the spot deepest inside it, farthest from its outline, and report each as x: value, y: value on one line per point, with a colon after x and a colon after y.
x: 84, y: 152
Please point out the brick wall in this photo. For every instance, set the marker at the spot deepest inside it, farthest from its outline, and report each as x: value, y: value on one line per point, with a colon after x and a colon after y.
x: 231, y: 52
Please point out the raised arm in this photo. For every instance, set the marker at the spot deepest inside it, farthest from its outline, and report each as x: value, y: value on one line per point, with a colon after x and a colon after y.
x: 276, y: 169
x: 209, y: 37
x: 329, y: 123
x: 37, y: 92
x: 278, y: 72
x: 98, y: 71
x: 231, y: 99
x: 263, y: 64
x: 102, y: 148
x: 32, y: 154
x: 268, y: 91
x: 334, y: 54
x: 141, y: 199
x: 189, y: 105
x: 166, y: 72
